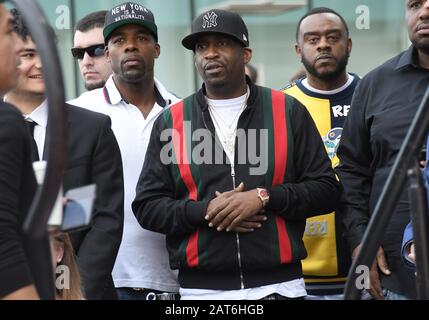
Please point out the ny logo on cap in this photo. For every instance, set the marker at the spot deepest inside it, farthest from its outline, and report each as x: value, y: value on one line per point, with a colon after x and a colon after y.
x: 209, y: 20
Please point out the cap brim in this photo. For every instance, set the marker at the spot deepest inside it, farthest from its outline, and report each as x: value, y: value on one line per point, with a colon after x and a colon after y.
x: 112, y: 27
x: 189, y: 41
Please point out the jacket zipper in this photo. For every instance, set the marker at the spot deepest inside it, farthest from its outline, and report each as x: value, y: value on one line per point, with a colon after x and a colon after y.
x: 236, y: 234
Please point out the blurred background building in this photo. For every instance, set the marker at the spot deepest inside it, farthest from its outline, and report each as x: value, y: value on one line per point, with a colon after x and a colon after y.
x: 377, y: 29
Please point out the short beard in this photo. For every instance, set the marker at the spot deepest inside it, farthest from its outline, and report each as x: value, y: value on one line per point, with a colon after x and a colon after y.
x: 134, y: 76
x: 421, y: 46
x: 218, y: 83
x: 95, y: 85
x: 341, y: 67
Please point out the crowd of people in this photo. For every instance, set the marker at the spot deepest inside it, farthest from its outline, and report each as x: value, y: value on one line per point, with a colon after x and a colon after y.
x: 237, y: 191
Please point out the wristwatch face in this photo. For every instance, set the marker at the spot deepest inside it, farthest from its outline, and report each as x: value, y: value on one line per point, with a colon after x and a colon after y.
x: 263, y: 193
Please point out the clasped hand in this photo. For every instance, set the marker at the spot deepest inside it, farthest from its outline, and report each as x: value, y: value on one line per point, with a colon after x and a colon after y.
x: 236, y: 210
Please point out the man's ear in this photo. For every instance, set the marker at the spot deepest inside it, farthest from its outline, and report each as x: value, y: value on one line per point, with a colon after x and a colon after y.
x: 247, y: 55
x: 158, y: 50
x: 60, y: 253
x: 298, y: 50
x: 349, y: 45
x: 106, y: 53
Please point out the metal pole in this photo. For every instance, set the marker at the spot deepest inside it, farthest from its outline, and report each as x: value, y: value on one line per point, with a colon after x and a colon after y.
x: 36, y: 221
x: 385, y: 207
x: 419, y: 210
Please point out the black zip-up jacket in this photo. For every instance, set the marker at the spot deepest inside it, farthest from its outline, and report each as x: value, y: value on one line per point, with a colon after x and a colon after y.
x: 172, y: 195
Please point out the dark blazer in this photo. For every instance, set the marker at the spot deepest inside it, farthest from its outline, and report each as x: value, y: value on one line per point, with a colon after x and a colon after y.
x: 23, y: 260
x: 93, y: 156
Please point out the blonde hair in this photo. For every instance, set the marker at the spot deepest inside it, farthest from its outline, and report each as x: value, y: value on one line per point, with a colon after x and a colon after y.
x: 69, y: 260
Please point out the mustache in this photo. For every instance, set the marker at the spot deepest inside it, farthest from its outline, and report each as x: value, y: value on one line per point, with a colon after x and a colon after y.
x: 213, y: 64
x: 341, y: 62
x: 423, y: 25
x: 132, y: 58
x: 324, y: 56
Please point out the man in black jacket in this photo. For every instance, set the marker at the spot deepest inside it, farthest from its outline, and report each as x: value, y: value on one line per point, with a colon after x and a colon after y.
x: 231, y: 174
x: 93, y: 156
x: 21, y: 274
x: 383, y: 106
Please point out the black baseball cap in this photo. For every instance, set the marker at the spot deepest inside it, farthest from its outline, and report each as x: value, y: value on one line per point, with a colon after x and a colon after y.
x: 129, y: 13
x: 217, y: 21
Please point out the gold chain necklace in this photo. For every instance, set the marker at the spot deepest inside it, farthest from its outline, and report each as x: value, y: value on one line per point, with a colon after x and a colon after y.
x: 228, y: 137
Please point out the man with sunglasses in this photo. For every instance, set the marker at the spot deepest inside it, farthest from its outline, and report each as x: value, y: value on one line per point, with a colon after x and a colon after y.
x: 88, y: 50
x: 133, y: 99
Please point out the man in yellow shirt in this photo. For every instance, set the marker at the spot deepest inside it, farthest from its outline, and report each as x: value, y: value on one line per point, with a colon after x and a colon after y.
x: 323, y: 45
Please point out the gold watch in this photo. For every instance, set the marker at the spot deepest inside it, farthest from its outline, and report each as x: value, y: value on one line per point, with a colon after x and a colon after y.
x: 263, y: 195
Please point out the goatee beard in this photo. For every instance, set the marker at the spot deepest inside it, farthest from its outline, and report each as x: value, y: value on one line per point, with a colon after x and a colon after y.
x: 423, y: 47
x: 341, y: 66
x: 93, y: 86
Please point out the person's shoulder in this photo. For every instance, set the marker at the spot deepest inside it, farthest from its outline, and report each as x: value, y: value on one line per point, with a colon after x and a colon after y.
x: 91, y: 94
x: 177, y: 102
x: 171, y: 97
x: 84, y: 116
x: 282, y: 91
x: 174, y: 105
x: 12, y: 123
x: 11, y: 118
x: 88, y: 98
x: 8, y: 110
x: 290, y: 101
x: 170, y: 110
x: 288, y: 86
x: 383, y: 70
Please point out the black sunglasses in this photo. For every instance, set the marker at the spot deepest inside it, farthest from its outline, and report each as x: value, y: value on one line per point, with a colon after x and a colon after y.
x: 93, y: 51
